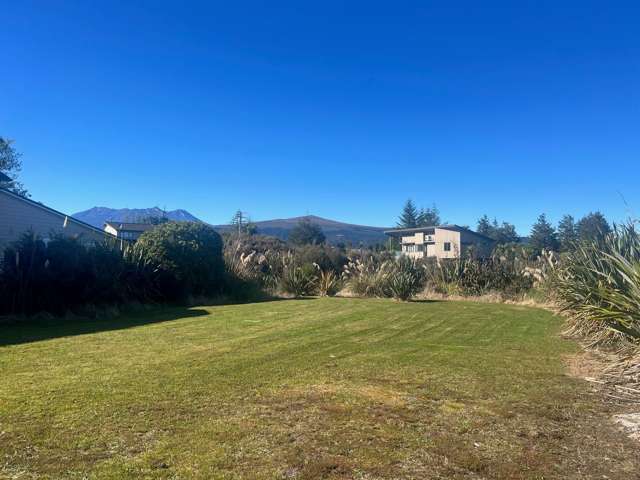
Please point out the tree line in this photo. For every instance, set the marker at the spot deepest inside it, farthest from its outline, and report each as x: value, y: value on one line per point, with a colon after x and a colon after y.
x: 569, y: 232
x: 543, y: 236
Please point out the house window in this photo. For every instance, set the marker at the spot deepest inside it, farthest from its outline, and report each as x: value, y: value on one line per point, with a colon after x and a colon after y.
x: 447, y: 246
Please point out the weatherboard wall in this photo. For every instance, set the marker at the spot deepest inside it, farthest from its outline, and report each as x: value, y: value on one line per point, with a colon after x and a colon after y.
x: 19, y: 215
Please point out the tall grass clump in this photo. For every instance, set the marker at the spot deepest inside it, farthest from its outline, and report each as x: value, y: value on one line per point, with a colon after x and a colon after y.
x: 327, y: 282
x: 276, y: 267
x: 372, y: 276
x: 598, y: 286
x: 367, y: 277
x: 505, y: 273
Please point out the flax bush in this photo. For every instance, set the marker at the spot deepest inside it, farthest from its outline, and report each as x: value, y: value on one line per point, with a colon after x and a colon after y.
x: 598, y: 286
x: 299, y: 281
x: 406, y: 278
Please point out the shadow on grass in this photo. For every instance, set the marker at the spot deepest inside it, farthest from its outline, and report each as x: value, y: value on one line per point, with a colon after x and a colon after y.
x: 35, y: 329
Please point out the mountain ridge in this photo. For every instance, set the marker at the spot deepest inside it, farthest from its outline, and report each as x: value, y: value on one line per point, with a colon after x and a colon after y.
x: 335, y: 231
x: 96, y: 216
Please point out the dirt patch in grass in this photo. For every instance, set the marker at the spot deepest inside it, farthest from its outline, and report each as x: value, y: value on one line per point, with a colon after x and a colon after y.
x: 621, y: 395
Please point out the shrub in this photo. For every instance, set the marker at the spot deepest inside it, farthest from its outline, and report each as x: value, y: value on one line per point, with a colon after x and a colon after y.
x: 257, y: 243
x: 325, y: 256
x: 183, y: 259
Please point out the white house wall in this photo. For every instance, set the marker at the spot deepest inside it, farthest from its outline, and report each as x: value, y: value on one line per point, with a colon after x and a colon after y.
x: 443, y: 236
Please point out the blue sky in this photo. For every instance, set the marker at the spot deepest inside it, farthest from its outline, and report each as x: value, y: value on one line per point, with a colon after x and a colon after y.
x: 339, y: 109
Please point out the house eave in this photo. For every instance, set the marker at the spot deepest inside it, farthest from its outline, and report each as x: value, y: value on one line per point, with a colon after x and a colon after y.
x: 55, y: 212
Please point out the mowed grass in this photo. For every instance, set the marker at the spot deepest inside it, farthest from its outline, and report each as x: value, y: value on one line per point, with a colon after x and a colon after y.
x: 318, y: 388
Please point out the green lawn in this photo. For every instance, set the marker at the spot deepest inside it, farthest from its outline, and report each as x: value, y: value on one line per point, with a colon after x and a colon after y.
x: 319, y: 388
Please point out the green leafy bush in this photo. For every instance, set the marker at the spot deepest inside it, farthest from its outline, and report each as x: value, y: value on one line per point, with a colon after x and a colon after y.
x: 325, y: 256
x: 184, y: 259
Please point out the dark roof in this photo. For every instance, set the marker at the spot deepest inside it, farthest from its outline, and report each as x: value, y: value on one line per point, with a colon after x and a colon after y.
x: 55, y: 212
x: 4, y: 178
x: 398, y: 232
x: 130, y: 227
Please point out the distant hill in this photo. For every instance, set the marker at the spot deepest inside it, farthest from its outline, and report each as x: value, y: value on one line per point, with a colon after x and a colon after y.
x: 336, y: 232
x: 96, y: 216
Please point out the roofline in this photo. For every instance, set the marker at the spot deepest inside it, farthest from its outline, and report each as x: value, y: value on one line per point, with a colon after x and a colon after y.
x: 55, y: 212
x: 408, y: 230
x: 120, y: 225
x: 400, y: 231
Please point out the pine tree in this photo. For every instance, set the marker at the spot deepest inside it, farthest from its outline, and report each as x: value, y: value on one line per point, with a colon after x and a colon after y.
x: 593, y: 227
x: 409, y: 216
x: 501, y: 233
x: 567, y: 233
x: 484, y: 227
x: 543, y: 235
x: 506, y: 233
x: 428, y: 217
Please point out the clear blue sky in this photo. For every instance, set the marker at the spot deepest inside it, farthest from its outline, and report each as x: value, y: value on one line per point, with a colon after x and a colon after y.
x: 339, y: 109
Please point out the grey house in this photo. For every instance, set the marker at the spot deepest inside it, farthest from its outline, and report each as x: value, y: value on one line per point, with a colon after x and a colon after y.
x: 127, y: 231
x: 19, y: 215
